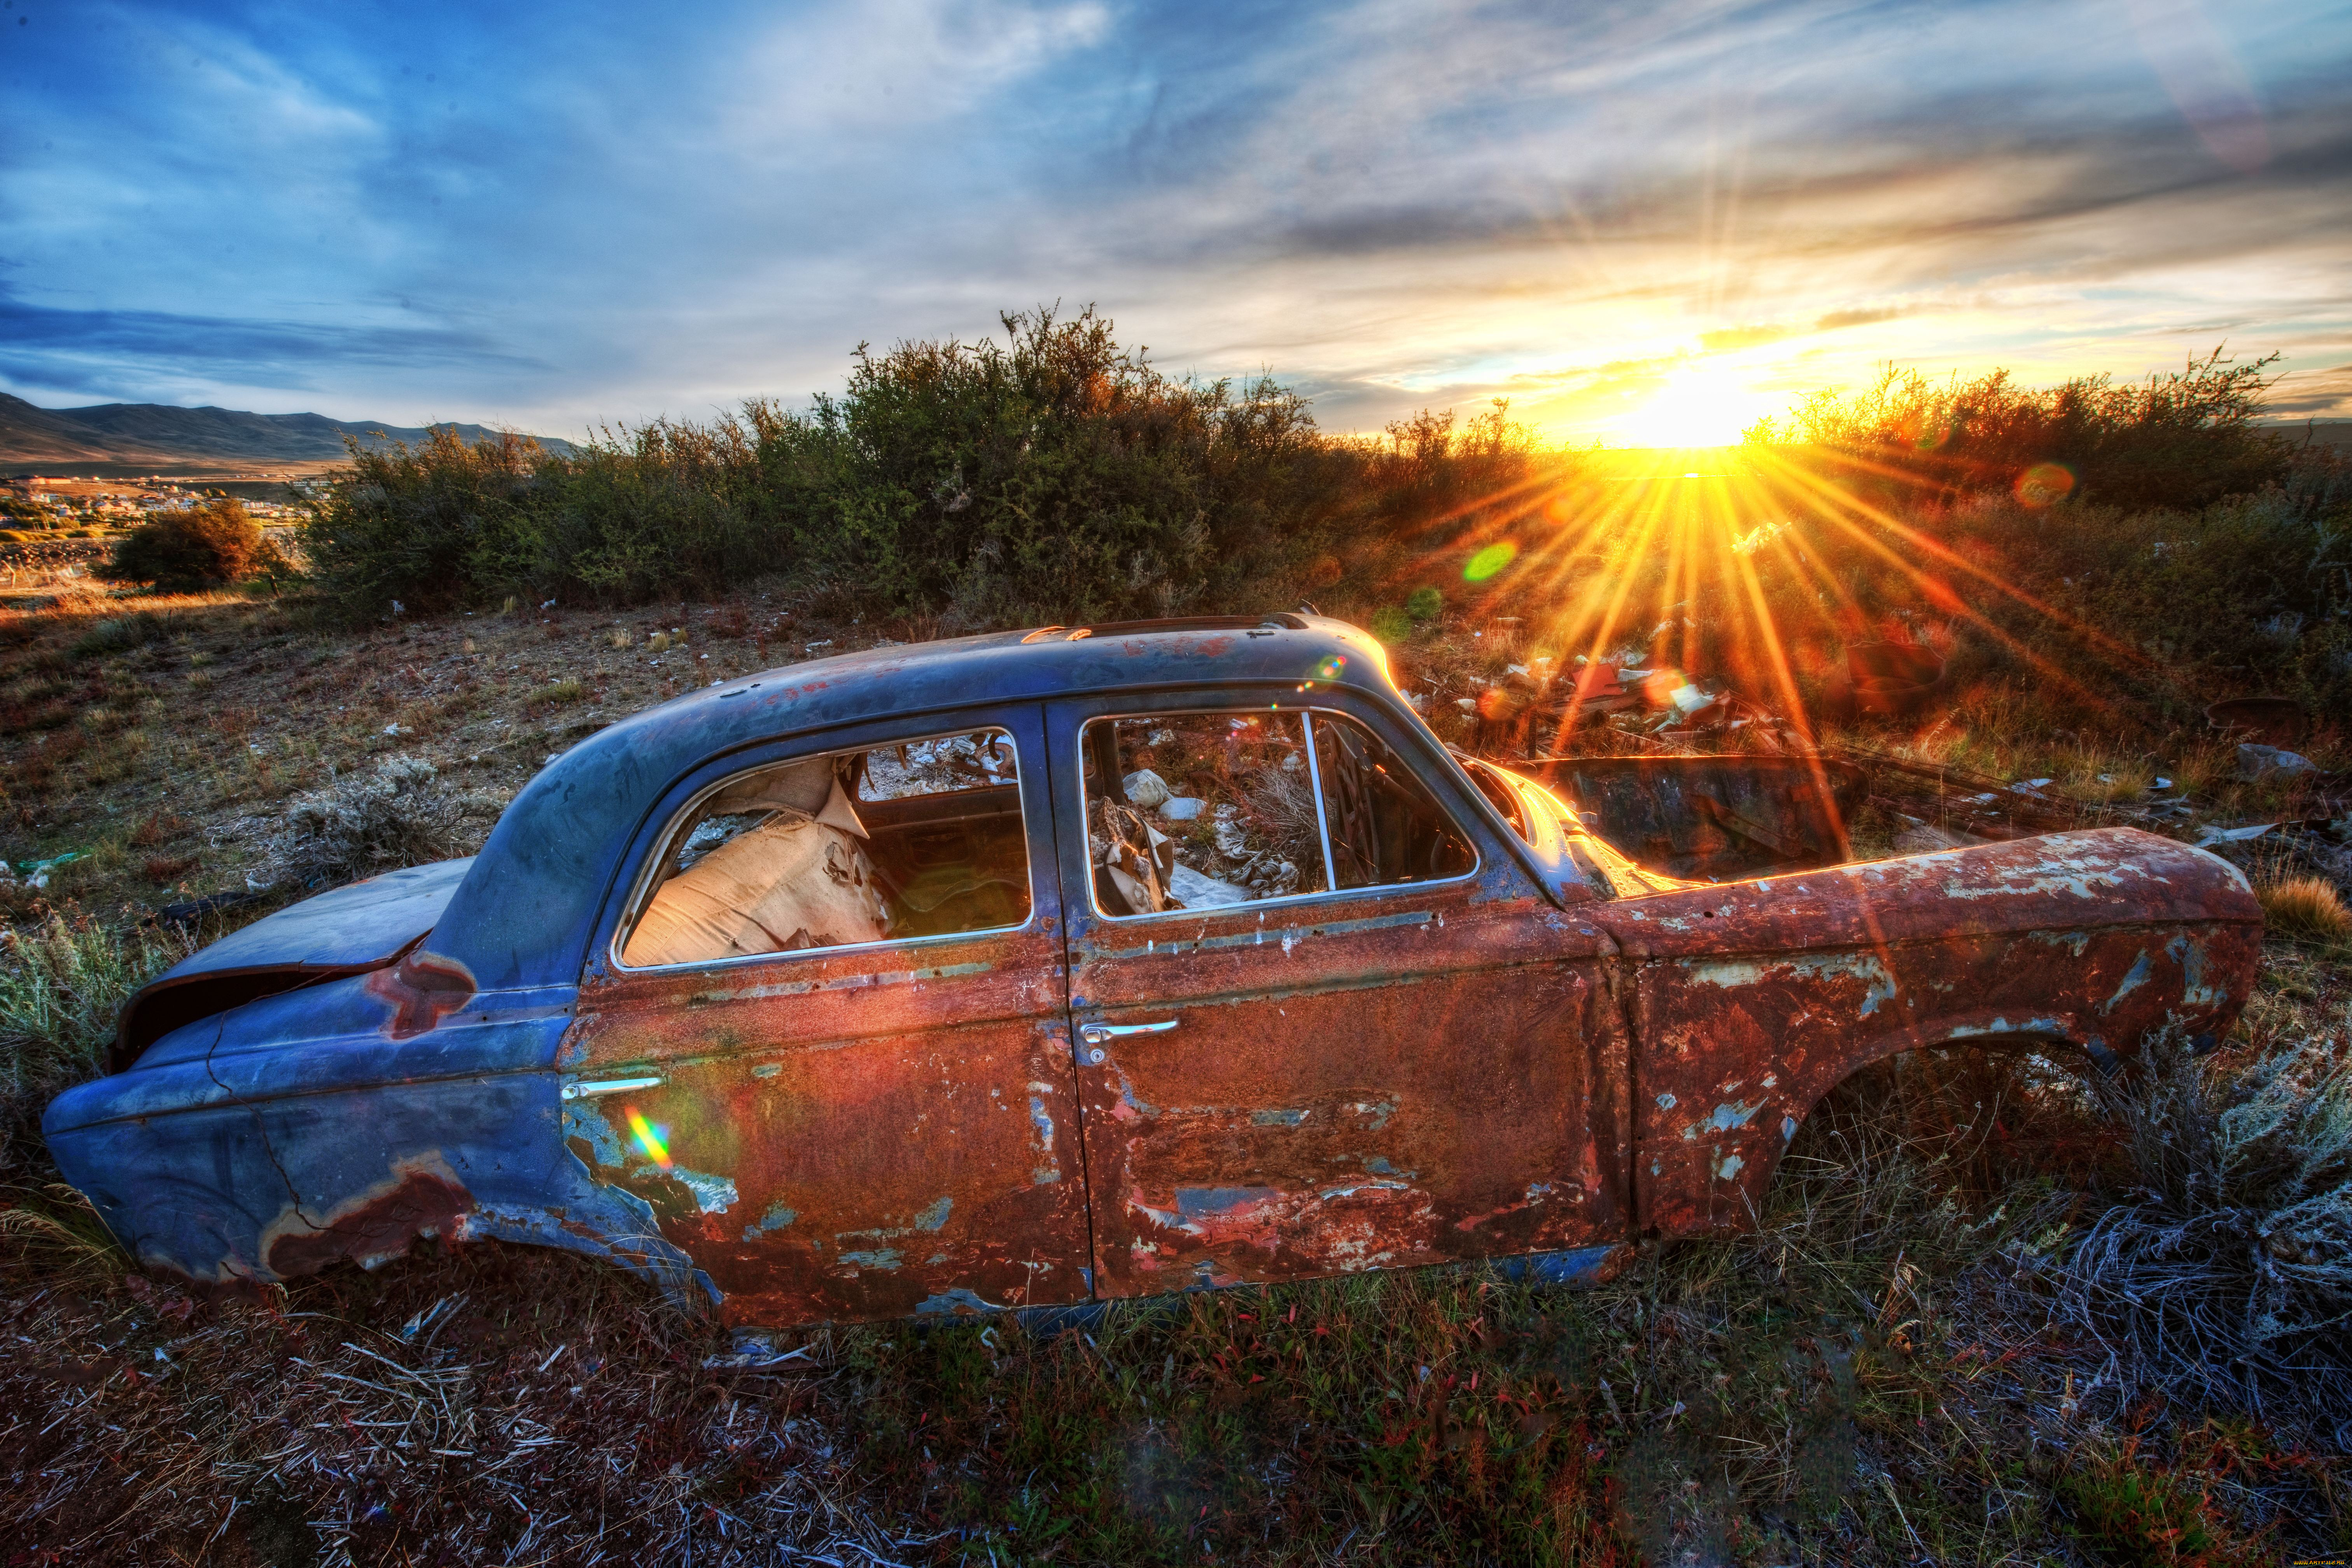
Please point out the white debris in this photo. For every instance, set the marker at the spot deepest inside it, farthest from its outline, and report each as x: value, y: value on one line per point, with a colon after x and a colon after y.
x: 2257, y: 763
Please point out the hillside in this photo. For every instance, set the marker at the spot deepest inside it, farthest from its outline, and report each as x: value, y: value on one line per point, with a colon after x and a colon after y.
x: 157, y: 436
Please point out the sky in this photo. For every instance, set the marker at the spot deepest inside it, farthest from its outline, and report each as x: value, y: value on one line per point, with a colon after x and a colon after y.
x: 1636, y: 221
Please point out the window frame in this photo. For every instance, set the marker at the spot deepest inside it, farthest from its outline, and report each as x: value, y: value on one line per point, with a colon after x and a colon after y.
x: 664, y: 843
x: 1306, y: 712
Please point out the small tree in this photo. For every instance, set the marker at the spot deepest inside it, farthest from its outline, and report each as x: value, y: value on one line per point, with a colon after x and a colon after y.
x: 201, y: 547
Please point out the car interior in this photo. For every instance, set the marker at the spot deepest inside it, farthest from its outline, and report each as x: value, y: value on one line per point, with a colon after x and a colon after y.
x: 921, y: 838
x: 1222, y: 807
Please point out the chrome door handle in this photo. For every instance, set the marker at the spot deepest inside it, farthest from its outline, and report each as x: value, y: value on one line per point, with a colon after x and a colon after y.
x: 577, y: 1089
x: 1096, y: 1033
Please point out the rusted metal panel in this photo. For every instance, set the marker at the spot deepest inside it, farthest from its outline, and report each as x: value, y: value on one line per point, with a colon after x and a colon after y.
x: 1753, y: 1000
x: 1419, y: 1078
x: 873, y: 1132
x: 851, y: 1133
x: 1403, y: 1075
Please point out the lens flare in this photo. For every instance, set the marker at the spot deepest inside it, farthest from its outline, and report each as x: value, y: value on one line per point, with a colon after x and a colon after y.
x: 1330, y: 667
x: 650, y: 1138
x: 1489, y: 561
x: 2044, y: 483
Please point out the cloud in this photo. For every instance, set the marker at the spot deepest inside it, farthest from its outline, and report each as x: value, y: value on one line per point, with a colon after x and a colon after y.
x: 93, y: 350
x: 503, y: 215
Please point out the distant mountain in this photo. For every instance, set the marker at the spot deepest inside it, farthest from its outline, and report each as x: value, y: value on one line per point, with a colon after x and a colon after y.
x: 157, y: 435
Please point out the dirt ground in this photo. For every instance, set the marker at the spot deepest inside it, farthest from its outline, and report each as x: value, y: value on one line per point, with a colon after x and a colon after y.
x: 1878, y: 1375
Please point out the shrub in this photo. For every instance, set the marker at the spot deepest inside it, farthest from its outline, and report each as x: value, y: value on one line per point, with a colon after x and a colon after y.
x: 119, y: 634
x: 402, y: 814
x: 61, y: 983
x: 2226, y: 1277
x: 2182, y: 440
x: 199, y: 547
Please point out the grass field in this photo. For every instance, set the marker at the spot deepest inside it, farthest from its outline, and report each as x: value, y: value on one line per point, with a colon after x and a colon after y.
x: 1910, y: 1360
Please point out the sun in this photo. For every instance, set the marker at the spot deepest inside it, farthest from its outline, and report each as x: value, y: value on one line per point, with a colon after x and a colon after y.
x: 1693, y: 408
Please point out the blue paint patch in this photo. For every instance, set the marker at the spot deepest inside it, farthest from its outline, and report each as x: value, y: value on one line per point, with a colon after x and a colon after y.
x: 1201, y: 1202
x: 1739, y: 1114
x: 934, y: 1217
x: 1728, y: 1166
x: 1577, y: 1265
x: 883, y: 1258
x: 1379, y: 1166
x: 714, y: 1195
x: 2141, y: 970
x: 955, y: 1302
x: 583, y: 1121
x: 777, y: 1217
x: 1276, y: 1118
x: 1666, y: 1102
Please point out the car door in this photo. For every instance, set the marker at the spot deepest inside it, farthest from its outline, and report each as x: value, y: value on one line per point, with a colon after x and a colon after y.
x: 1280, y: 1076
x: 878, y: 1119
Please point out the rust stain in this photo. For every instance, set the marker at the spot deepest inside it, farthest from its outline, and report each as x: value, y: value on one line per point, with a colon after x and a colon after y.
x: 421, y: 1197
x: 422, y: 989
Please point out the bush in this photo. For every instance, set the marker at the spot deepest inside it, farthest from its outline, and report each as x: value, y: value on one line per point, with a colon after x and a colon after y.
x: 1050, y: 476
x: 200, y: 547
x: 2182, y: 440
x: 61, y: 983
x: 2225, y: 1277
x: 404, y: 813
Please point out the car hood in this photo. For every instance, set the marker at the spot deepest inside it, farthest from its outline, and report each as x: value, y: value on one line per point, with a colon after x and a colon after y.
x: 349, y: 931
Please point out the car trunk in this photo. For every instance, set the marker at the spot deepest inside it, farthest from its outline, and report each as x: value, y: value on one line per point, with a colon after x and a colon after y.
x: 349, y: 931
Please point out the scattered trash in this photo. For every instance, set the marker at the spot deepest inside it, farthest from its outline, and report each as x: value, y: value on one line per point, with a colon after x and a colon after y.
x: 754, y: 1348
x: 37, y: 872
x: 2268, y: 720
x: 195, y: 909
x: 2213, y: 835
x: 392, y: 729
x: 1145, y: 789
x: 2256, y: 763
x: 1179, y: 808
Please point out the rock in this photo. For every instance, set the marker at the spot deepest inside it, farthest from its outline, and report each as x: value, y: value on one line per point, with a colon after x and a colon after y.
x: 2257, y: 763
x: 1179, y: 808
x: 1145, y: 789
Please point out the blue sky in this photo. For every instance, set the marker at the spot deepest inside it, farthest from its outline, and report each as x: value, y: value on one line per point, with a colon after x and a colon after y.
x: 1687, y: 209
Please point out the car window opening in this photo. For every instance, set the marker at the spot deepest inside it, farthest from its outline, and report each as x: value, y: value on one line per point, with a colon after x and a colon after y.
x: 1242, y: 805
x: 918, y: 839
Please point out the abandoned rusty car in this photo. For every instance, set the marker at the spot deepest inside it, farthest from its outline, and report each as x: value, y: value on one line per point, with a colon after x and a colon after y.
x: 1032, y: 970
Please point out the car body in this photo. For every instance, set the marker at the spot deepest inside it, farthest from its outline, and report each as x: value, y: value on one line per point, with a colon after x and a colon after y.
x: 1532, y: 1051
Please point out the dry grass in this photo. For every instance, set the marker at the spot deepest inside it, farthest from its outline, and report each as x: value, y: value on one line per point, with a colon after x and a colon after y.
x: 2307, y: 909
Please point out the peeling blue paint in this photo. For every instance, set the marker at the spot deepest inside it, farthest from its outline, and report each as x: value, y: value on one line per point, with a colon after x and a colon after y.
x: 955, y: 1302
x: 935, y: 1216
x: 777, y: 1217
x: 2141, y: 970
x: 1203, y: 1203
x: 715, y: 1194
x: 1276, y: 1118
x: 881, y: 1257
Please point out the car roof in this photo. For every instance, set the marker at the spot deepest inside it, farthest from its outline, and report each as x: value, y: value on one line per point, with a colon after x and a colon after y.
x: 522, y: 916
